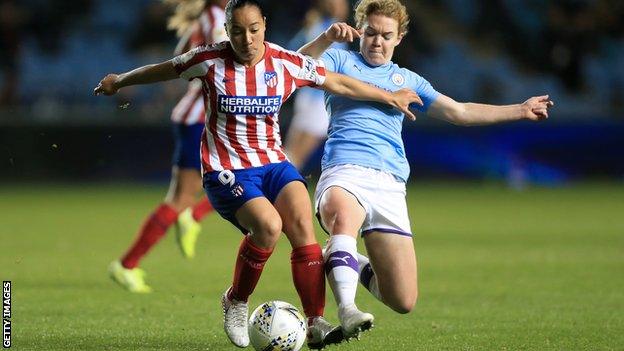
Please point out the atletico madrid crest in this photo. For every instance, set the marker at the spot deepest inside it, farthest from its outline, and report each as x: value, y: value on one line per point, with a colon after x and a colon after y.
x: 270, y: 78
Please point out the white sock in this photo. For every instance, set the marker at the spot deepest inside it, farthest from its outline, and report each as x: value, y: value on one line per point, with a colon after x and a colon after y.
x: 341, y: 267
x: 367, y: 276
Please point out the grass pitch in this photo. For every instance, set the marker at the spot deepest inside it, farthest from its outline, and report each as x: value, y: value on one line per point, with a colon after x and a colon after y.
x: 541, y: 269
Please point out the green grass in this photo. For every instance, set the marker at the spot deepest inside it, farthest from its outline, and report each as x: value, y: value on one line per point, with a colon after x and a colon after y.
x: 498, y: 270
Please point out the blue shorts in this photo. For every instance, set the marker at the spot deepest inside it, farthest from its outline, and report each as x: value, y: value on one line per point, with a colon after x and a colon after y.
x: 187, y: 144
x: 229, y: 190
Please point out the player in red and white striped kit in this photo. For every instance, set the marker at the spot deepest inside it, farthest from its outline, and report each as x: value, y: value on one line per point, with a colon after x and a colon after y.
x: 181, y: 206
x: 246, y: 174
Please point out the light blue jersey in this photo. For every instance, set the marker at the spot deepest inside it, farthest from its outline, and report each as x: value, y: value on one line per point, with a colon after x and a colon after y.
x: 305, y: 36
x: 367, y: 133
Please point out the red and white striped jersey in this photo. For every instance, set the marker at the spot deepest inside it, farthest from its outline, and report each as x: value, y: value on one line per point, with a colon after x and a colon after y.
x: 242, y: 104
x: 208, y: 29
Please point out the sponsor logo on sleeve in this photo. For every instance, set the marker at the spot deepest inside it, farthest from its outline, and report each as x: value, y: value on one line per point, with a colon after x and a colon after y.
x: 309, y: 70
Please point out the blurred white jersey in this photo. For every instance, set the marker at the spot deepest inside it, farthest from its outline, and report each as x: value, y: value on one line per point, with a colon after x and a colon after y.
x: 207, y: 30
x: 310, y: 113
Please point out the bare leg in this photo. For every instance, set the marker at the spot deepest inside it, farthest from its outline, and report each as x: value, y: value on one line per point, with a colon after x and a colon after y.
x: 185, y: 185
x: 343, y: 216
x: 393, y: 260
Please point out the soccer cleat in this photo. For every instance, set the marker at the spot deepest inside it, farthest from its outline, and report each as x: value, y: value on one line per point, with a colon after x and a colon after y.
x: 321, y: 333
x: 354, y: 321
x: 235, y: 316
x: 187, y: 230
x: 132, y: 280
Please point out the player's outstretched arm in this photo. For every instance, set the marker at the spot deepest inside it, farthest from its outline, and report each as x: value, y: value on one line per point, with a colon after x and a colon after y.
x: 469, y: 114
x: 336, y: 33
x: 340, y: 84
x: 159, y: 72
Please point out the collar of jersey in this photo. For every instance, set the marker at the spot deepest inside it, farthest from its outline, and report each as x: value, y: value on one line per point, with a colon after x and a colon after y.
x: 361, y: 57
x: 264, y: 57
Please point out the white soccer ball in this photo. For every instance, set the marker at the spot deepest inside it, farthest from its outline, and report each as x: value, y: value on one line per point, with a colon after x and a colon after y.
x: 278, y: 326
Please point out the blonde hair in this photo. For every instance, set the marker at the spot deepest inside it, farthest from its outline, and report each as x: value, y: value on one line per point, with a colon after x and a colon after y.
x: 389, y: 8
x: 185, y: 14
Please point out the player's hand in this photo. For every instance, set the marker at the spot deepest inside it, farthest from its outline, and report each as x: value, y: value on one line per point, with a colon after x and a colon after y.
x: 108, y: 85
x: 341, y: 32
x: 536, y: 108
x: 403, y: 98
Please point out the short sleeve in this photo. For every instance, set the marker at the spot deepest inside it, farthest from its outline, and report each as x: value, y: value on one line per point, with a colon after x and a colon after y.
x: 194, y: 63
x: 305, y: 70
x: 424, y: 89
x: 333, y: 59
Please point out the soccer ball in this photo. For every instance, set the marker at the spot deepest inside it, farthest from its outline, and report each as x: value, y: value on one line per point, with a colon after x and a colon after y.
x: 277, y: 325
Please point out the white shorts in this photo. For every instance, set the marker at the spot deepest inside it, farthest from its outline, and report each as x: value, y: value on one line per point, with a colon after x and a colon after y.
x: 381, y: 195
x: 310, y: 115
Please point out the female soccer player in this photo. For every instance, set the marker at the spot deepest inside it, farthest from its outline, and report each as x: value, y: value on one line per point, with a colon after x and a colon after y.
x: 246, y: 173
x: 198, y: 23
x: 364, y: 168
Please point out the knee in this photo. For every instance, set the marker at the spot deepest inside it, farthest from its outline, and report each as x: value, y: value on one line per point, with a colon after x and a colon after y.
x: 267, y: 230
x: 300, y: 225
x: 404, y: 304
x: 336, y: 221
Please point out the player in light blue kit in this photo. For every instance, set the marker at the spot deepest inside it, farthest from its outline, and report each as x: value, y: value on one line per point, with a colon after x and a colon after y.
x: 364, y: 168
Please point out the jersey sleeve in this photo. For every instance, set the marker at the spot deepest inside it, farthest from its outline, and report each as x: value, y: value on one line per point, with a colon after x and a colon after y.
x: 194, y: 63
x: 306, y: 71
x: 424, y: 89
x: 333, y: 59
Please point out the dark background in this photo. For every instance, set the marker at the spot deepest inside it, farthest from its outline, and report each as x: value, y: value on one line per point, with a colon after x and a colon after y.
x: 52, y: 54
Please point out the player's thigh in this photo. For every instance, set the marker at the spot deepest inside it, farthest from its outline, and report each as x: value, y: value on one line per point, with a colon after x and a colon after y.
x: 262, y: 221
x: 340, y: 211
x: 293, y: 205
x: 186, y: 184
x: 393, y: 259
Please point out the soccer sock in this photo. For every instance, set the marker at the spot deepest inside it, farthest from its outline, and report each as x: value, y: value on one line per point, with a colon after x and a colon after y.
x: 307, y: 270
x: 152, y: 230
x: 249, y: 265
x: 201, y: 209
x: 341, y: 268
x: 367, y: 276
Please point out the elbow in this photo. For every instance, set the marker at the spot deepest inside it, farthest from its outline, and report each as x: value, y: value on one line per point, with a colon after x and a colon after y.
x: 458, y: 119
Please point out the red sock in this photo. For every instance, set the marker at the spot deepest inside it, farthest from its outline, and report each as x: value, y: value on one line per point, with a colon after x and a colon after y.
x: 201, y: 209
x: 249, y: 265
x: 153, y: 229
x: 309, y: 278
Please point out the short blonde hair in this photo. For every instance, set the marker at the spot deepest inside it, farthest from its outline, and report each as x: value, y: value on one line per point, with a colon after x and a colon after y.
x: 389, y: 8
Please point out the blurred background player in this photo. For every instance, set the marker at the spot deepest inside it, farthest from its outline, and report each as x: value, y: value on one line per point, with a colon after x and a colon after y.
x: 197, y: 23
x: 308, y: 127
x: 364, y: 167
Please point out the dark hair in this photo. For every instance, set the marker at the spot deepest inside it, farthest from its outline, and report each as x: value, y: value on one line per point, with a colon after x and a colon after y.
x: 237, y: 4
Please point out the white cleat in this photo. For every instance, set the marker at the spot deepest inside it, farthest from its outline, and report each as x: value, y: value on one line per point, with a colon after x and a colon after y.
x: 321, y: 333
x: 235, y: 316
x: 354, y: 321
